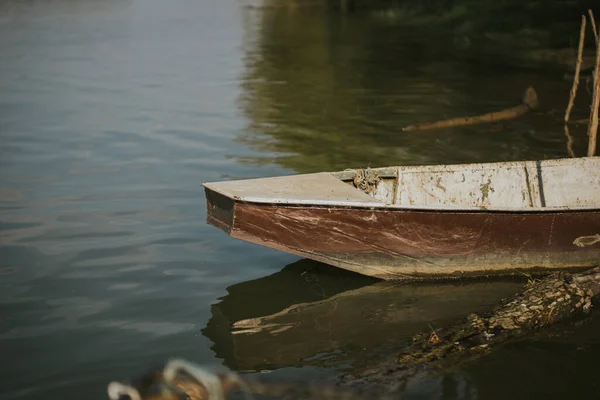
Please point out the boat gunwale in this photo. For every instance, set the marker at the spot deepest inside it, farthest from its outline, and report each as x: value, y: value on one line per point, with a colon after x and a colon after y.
x: 379, y: 206
x: 391, y: 172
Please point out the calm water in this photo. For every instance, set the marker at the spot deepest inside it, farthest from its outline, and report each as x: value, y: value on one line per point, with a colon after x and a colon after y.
x: 112, y: 113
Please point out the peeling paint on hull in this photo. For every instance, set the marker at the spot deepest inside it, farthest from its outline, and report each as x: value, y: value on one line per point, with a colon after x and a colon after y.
x: 409, y: 244
x: 424, y: 221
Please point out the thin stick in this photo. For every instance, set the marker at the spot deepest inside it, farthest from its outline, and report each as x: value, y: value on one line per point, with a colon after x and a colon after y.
x: 593, y: 22
x: 577, y: 69
x: 529, y: 103
x: 569, y: 141
x: 593, y: 127
x: 582, y: 121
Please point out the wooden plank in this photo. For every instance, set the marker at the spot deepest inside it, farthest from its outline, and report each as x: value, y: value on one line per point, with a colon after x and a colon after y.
x: 384, y: 172
x: 477, y: 186
x: 571, y: 185
x: 565, y: 184
x: 552, y: 184
x: 318, y: 189
x: 408, y: 244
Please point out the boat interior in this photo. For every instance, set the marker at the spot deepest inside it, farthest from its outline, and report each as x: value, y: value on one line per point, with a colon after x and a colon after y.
x: 550, y: 184
x: 559, y: 184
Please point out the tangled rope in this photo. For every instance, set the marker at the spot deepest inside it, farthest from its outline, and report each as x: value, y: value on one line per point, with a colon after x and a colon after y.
x: 366, y: 180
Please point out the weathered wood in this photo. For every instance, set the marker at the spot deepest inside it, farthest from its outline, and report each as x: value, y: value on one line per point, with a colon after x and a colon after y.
x: 570, y: 150
x: 433, y: 220
x: 595, y: 108
x: 530, y: 102
x: 336, y: 310
x: 568, y: 184
x: 385, y: 172
x: 573, y: 92
x: 319, y: 188
x: 548, y: 185
x: 409, y: 245
x: 540, y: 304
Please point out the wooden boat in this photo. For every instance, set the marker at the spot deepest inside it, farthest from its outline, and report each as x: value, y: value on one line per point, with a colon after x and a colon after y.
x: 423, y: 221
x: 323, y: 318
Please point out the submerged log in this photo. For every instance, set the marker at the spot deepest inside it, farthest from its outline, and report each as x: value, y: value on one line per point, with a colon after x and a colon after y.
x: 529, y: 103
x: 539, y: 304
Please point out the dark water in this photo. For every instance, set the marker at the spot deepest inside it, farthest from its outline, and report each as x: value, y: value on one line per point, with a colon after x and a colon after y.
x: 112, y: 113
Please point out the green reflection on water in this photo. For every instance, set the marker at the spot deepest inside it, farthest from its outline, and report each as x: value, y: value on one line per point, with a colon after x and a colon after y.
x: 327, y: 91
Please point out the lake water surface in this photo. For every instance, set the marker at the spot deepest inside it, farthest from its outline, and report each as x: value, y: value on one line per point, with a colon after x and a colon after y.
x: 113, y: 112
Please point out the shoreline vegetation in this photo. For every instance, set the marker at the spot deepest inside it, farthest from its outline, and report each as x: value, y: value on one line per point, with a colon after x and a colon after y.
x: 482, y: 30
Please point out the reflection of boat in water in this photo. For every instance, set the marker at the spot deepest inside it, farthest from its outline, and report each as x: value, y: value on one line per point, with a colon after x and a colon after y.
x: 325, y: 316
x: 403, y: 222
